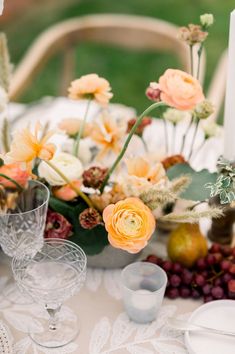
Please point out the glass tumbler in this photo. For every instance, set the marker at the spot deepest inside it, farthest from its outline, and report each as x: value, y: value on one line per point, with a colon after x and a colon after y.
x: 143, y: 287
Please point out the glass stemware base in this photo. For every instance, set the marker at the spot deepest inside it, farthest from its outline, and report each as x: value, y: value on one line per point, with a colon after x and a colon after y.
x: 65, y: 332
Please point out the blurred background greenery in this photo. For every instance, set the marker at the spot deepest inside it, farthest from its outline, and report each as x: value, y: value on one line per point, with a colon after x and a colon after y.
x: 129, y: 72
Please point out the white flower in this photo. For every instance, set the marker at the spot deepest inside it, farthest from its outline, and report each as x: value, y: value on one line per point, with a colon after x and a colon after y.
x: 84, y: 153
x: 174, y: 115
x: 68, y: 164
x: 204, y: 109
x: 207, y: 20
x: 3, y: 99
x: 211, y: 129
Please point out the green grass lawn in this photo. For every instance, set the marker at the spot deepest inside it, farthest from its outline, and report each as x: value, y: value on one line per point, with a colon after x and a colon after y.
x: 129, y: 72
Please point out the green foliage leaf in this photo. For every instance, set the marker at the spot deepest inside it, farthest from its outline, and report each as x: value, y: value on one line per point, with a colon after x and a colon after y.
x: 91, y: 241
x: 196, y: 191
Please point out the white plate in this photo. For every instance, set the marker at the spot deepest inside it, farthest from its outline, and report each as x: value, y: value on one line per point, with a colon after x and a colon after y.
x: 218, y: 314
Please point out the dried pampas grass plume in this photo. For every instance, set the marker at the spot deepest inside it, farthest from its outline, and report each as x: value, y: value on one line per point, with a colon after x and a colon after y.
x: 193, y: 216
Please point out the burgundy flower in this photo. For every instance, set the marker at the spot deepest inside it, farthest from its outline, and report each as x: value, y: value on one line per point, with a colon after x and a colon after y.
x: 57, y: 226
x: 139, y: 131
x: 153, y: 92
x: 90, y: 218
x: 94, y: 177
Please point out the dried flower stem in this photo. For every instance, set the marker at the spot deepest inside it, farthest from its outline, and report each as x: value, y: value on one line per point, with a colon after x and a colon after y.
x: 194, y: 137
x: 78, y: 191
x: 193, y: 216
x: 80, y: 132
x: 156, y: 197
x: 125, y: 146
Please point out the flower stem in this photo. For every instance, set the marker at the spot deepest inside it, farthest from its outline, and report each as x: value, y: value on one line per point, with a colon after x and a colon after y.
x: 80, y: 132
x: 125, y: 146
x: 193, y: 140
x: 191, y: 59
x: 185, y: 135
x: 77, y: 190
x: 199, y: 53
x: 12, y: 180
x: 166, y: 137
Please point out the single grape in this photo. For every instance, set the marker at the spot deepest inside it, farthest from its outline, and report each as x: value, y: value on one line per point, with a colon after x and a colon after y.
x: 225, y: 265
x: 233, y: 252
x: 217, y: 292
x: 195, y: 293
x: 231, y: 289
x: 186, y: 277
x: 205, y: 274
x: 226, y: 250
x: 167, y: 266
x: 226, y: 277
x: 210, y: 259
x: 185, y: 292
x: 152, y: 259
x: 232, y: 269
x: 174, y: 280
x: 201, y: 264
x: 218, y: 282
x: 215, y: 248
x: 208, y: 298
x: 172, y: 293
x: 177, y: 268
x: 218, y: 257
x: 199, y: 280
x: 206, y: 289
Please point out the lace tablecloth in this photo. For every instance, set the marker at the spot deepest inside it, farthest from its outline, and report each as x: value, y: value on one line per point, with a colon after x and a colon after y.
x: 105, y: 327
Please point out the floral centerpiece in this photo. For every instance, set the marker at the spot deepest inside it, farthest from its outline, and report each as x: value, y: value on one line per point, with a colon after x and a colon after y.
x: 102, y: 192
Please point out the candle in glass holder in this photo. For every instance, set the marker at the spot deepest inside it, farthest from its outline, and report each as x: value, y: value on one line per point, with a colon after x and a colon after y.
x: 143, y: 288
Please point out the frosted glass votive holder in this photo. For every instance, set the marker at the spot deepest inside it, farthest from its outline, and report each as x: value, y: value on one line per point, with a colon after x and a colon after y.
x: 143, y: 287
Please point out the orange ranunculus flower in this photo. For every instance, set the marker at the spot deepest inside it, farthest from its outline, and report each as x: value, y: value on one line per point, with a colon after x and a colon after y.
x: 27, y: 146
x: 129, y: 223
x: 71, y: 126
x: 180, y: 90
x: 66, y: 192
x: 16, y: 173
x: 91, y: 86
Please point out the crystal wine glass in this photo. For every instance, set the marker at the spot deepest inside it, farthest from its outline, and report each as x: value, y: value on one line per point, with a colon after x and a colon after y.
x: 50, y: 277
x: 22, y: 226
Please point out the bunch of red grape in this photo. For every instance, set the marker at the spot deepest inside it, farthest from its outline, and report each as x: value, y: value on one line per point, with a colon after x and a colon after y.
x: 212, y: 277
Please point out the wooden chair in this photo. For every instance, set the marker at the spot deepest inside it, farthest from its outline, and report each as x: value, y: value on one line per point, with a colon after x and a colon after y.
x: 216, y: 91
x: 132, y: 32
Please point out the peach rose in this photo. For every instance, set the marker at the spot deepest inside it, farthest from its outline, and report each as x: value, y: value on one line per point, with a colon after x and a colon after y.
x: 16, y: 173
x: 66, y: 192
x: 129, y: 223
x: 71, y: 126
x: 91, y: 86
x: 180, y: 90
